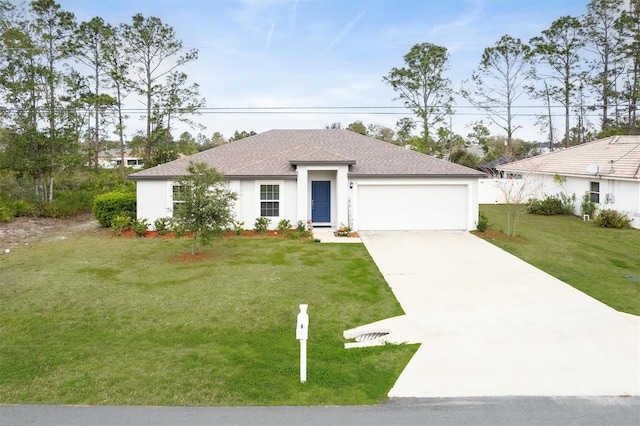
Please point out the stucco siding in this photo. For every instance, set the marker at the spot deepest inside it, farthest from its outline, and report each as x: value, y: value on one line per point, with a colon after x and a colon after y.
x: 247, y: 208
x: 153, y: 200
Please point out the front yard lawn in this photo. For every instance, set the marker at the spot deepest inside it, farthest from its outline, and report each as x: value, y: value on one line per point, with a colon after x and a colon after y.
x: 603, y: 263
x: 94, y: 319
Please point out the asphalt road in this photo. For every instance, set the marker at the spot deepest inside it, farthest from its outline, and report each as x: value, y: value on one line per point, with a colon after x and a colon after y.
x: 494, y: 411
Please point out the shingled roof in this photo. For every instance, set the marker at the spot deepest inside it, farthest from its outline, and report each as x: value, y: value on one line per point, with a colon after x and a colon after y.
x: 615, y: 157
x: 274, y: 154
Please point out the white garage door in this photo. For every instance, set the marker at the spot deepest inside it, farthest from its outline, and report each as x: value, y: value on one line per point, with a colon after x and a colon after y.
x: 411, y: 207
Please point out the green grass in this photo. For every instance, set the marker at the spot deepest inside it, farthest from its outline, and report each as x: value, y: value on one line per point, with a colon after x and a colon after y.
x: 603, y: 263
x: 99, y: 320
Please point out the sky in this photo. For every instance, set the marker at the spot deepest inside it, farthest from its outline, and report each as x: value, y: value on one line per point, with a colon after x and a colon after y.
x: 310, y: 63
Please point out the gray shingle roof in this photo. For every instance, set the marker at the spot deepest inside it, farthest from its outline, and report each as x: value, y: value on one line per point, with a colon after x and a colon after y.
x: 617, y: 156
x: 275, y: 153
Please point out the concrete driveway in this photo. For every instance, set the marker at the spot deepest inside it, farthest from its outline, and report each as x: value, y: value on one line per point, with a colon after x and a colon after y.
x: 490, y: 324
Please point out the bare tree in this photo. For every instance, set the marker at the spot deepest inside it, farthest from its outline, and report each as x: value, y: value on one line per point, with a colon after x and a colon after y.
x: 516, y: 193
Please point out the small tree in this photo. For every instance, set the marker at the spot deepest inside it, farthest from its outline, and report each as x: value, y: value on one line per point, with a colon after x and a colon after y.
x: 206, y: 203
x: 516, y: 193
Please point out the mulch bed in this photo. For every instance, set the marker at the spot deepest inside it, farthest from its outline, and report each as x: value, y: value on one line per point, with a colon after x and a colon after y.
x: 494, y: 234
x: 128, y: 233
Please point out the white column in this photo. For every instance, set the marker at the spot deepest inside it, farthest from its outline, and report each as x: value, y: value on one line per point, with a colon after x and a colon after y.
x: 302, y: 194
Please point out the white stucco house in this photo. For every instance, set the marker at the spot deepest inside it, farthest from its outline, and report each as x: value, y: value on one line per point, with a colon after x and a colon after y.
x: 331, y: 177
x: 608, y: 169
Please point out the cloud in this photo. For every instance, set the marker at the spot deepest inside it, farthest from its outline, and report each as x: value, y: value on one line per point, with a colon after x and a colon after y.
x: 347, y: 29
x: 270, y: 34
x: 463, y: 20
x: 292, y: 18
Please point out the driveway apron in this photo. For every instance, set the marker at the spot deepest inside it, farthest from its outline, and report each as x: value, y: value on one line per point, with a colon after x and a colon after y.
x: 490, y: 324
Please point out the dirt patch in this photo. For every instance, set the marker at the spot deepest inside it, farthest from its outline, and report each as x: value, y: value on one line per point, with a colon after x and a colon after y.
x: 192, y: 258
x: 494, y: 234
x: 23, y: 230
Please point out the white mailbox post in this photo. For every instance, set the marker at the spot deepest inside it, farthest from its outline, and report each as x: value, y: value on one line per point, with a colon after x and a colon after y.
x: 302, y: 334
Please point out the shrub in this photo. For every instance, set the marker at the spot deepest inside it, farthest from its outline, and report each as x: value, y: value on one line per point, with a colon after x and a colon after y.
x: 22, y: 208
x: 139, y: 226
x: 65, y: 204
x: 178, y: 228
x: 53, y: 209
x: 551, y: 205
x: 238, y: 227
x: 262, y: 224
x: 162, y: 225
x: 284, y: 224
x: 483, y: 222
x: 610, y: 218
x: 587, y: 206
x: 120, y: 223
x: 6, y: 214
x: 112, y: 204
x: 301, y: 226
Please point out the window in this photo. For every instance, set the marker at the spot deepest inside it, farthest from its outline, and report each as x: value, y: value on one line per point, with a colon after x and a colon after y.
x: 269, y: 200
x: 594, y: 192
x: 177, y: 194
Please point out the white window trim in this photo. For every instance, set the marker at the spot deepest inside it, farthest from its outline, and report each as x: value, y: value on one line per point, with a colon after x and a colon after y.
x: 599, y: 192
x: 172, y: 201
x: 280, y: 183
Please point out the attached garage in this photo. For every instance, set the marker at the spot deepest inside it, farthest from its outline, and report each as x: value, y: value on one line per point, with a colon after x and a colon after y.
x: 399, y: 207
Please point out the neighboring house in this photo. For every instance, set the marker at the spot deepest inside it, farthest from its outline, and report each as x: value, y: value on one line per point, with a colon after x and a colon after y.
x: 330, y: 177
x: 607, y: 169
x: 492, y: 169
x: 112, y: 159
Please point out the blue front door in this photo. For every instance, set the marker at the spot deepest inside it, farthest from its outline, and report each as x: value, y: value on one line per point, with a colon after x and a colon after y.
x: 321, y: 201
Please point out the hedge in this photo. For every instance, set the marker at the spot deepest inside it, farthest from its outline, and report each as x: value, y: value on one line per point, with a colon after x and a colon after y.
x: 112, y: 204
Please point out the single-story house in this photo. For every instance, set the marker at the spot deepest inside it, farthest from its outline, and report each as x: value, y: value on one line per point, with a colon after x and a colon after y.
x: 112, y: 159
x: 331, y: 177
x: 607, y: 169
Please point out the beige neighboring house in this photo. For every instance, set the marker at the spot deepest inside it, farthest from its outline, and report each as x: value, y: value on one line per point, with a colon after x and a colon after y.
x: 607, y: 169
x: 331, y: 177
x: 111, y: 159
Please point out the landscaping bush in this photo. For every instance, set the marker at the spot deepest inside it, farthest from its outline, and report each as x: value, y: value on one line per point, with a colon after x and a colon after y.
x: 238, y: 226
x: 551, y: 205
x: 262, y: 224
x: 483, y: 222
x: 301, y: 226
x: 139, y: 226
x: 587, y: 206
x: 610, y: 218
x: 112, y: 204
x: 120, y: 223
x: 178, y: 228
x: 284, y: 224
x: 162, y: 225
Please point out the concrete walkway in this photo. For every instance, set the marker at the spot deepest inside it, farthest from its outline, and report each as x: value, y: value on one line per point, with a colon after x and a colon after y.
x: 490, y: 324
